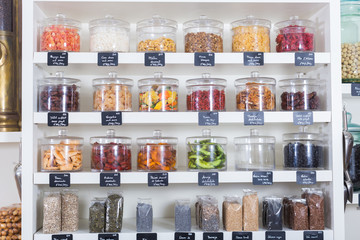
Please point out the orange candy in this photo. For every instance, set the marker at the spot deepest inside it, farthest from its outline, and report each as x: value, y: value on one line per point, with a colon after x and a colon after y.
x: 60, y: 38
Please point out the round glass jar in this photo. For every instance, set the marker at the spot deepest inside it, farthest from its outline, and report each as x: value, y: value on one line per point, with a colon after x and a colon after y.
x: 110, y: 153
x: 255, y: 152
x: 255, y: 93
x: 206, y: 152
x: 158, y: 94
x: 203, y: 35
x: 61, y: 153
x: 156, y: 34
x: 59, y: 34
x: 354, y: 166
x: 109, y: 35
x: 300, y: 93
x: 157, y: 153
x: 251, y: 35
x: 205, y: 94
x: 295, y: 35
x: 304, y: 150
x: 59, y: 94
x: 112, y: 93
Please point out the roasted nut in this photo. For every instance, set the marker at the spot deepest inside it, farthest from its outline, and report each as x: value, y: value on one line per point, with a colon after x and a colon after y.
x: 112, y: 98
x: 255, y: 97
x: 203, y: 42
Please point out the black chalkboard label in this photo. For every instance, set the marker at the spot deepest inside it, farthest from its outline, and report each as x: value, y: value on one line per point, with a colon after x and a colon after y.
x: 275, y: 235
x: 146, y: 236
x: 155, y: 59
x: 62, y: 237
x: 213, y: 236
x: 306, y: 177
x: 303, y: 118
x: 208, y: 118
x: 355, y: 89
x: 242, y: 236
x: 184, y: 236
x: 253, y: 58
x: 359, y: 199
x: 109, y: 179
x: 112, y: 236
x: 262, y: 178
x: 208, y: 178
x: 204, y: 59
x: 108, y: 59
x: 158, y: 179
x: 253, y: 118
x: 59, y: 179
x: 111, y: 118
x: 57, y: 58
x: 304, y: 59
x: 313, y: 235
x: 58, y: 119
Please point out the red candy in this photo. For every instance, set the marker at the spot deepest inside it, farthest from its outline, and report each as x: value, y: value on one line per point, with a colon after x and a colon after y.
x: 294, y: 38
x: 110, y: 157
x: 60, y: 38
x: 206, y: 100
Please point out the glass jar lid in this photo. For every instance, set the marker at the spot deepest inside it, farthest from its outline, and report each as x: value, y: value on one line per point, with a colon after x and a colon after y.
x: 255, y: 79
x: 254, y: 138
x: 157, y: 22
x: 157, y: 139
x: 110, y: 138
x: 158, y: 79
x: 203, y: 22
x: 302, y: 135
x: 206, y: 138
x: 206, y: 81
x: 350, y: 8
x: 61, y: 19
x: 62, y: 138
x: 300, y: 80
x: 58, y: 79
x: 295, y: 23
x: 112, y: 79
x: 109, y: 21
x: 252, y: 21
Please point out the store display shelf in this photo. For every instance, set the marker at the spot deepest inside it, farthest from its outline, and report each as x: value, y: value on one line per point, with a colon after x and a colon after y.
x: 346, y: 89
x: 10, y: 137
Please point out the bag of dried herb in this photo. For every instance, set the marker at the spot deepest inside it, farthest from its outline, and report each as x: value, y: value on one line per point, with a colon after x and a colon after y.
x: 272, y: 213
x: 182, y: 215
x: 144, y: 215
x: 114, y: 206
x: 250, y: 210
x: 97, y: 215
x: 315, y: 201
x: 232, y: 213
x: 69, y: 210
x: 209, y: 215
x: 52, y: 212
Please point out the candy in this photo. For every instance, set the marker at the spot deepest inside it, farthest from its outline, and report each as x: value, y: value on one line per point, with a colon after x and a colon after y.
x: 60, y: 38
x: 158, y: 98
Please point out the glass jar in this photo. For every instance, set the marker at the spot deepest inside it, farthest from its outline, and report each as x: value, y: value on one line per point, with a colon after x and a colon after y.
x: 300, y: 93
x: 354, y: 166
x: 112, y: 93
x: 295, y: 35
x: 255, y: 152
x: 206, y: 152
x: 251, y: 35
x: 59, y: 34
x: 109, y: 35
x: 255, y: 93
x: 61, y: 153
x: 110, y: 153
x: 205, y: 94
x: 158, y: 94
x: 156, y: 34
x: 350, y: 41
x: 59, y: 94
x: 157, y: 153
x: 304, y: 150
x: 203, y: 35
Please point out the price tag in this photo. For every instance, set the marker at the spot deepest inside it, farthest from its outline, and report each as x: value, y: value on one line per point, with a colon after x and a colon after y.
x: 58, y: 119
x: 208, y: 118
x: 208, y: 178
x: 253, y: 118
x: 314, y: 235
x: 242, y: 236
x: 62, y: 237
x: 57, y: 59
x: 304, y: 59
x: 111, y: 118
x: 59, y: 179
x: 303, y: 118
x: 213, y: 236
x: 278, y: 235
x: 155, y: 59
x: 359, y: 199
x: 306, y: 177
x: 112, y: 236
x: 108, y: 59
x: 204, y: 59
x: 184, y: 236
x: 262, y: 178
x: 158, y: 179
x: 146, y: 236
x: 355, y: 89
x: 109, y: 179
x: 253, y: 58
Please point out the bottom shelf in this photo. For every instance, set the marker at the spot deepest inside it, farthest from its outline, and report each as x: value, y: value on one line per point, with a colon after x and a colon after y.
x: 164, y: 227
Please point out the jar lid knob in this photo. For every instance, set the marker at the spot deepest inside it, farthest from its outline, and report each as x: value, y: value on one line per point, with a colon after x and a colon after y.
x: 254, y: 132
x: 112, y: 74
x: 294, y: 17
x: 158, y: 75
x: 300, y: 75
x: 62, y: 132
x: 60, y: 15
x: 250, y: 17
x: 302, y: 128
x: 255, y: 74
x: 206, y: 132
x: 59, y: 74
x: 109, y: 16
x: 203, y: 17
x: 157, y: 133
x: 206, y: 75
x: 110, y: 133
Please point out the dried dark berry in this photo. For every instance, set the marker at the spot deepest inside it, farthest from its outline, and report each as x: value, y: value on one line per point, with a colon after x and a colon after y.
x: 298, y: 155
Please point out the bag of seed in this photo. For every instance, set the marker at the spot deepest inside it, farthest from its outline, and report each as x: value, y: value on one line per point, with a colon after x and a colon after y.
x: 250, y: 210
x: 272, y: 213
x: 144, y: 215
x: 299, y: 214
x: 69, y: 210
x: 97, y: 215
x: 182, y: 215
x: 52, y: 212
x: 114, y: 206
x: 198, y: 208
x: 209, y: 215
x: 232, y: 213
x: 315, y: 201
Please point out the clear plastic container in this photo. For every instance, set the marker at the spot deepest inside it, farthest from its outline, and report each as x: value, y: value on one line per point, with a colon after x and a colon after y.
x: 109, y: 35
x: 203, y: 35
x: 156, y: 34
x: 251, y: 35
x: 157, y: 153
x: 158, y: 94
x: 61, y: 153
x: 304, y: 150
x: 182, y: 215
x: 144, y: 215
x: 255, y: 93
x: 97, y: 215
x: 110, y: 153
x: 255, y: 152
x: 59, y: 34
x: 206, y: 93
x: 59, y: 94
x: 301, y: 93
x: 232, y: 213
x: 112, y: 93
x: 295, y: 35
x: 206, y: 152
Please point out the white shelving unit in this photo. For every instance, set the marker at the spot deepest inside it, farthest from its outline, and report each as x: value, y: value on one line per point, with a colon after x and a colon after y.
x: 10, y: 137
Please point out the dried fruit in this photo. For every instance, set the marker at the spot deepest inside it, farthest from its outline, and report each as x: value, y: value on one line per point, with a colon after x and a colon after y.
x: 203, y: 42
